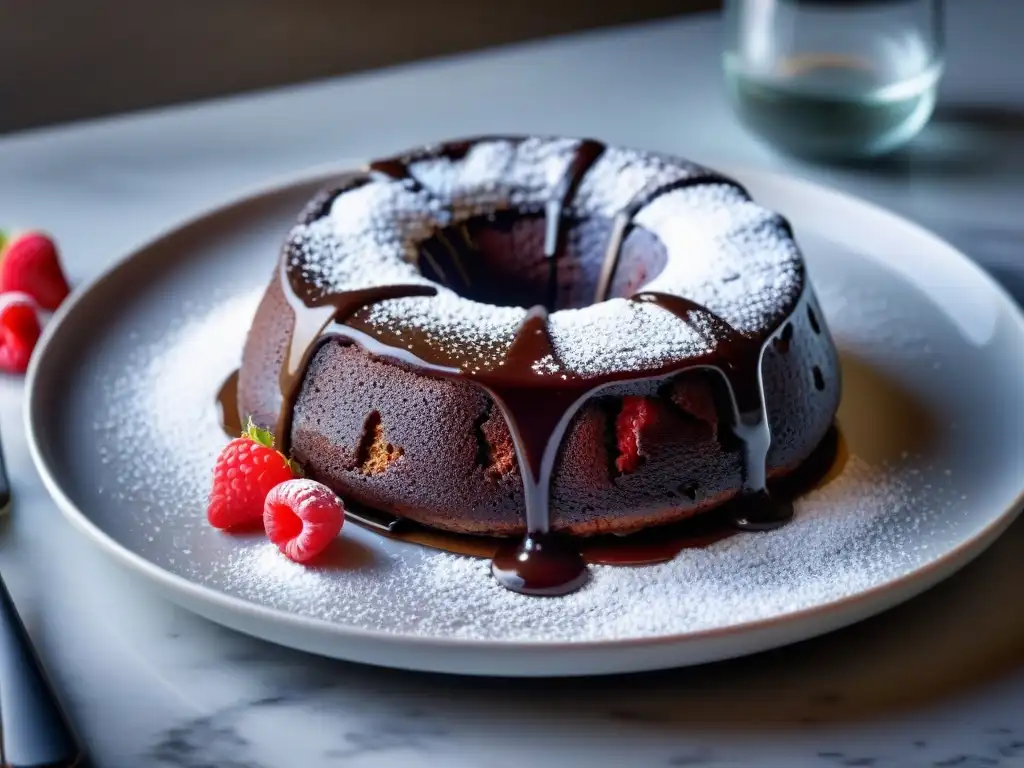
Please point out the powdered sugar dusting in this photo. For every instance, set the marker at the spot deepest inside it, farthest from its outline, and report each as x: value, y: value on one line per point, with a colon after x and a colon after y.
x: 839, y: 543
x: 824, y: 555
x: 136, y: 432
x: 159, y: 413
x: 869, y: 524
x: 728, y: 253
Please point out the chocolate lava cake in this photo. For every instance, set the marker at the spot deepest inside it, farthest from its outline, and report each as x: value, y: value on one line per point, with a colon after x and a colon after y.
x: 510, y: 333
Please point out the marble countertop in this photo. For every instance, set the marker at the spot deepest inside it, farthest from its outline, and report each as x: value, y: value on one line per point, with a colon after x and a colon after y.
x: 936, y: 682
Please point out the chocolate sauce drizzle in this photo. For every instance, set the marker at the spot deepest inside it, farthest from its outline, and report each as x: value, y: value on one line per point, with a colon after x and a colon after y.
x: 657, y: 544
x: 227, y: 405
x: 623, y: 221
x: 740, y: 369
x: 545, y: 562
x: 587, y: 153
x: 314, y: 311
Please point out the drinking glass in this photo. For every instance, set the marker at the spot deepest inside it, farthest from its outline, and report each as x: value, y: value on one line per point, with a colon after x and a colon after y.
x: 834, y: 79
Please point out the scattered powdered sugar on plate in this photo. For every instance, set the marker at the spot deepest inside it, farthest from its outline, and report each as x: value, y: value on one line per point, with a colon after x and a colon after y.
x: 824, y: 555
x: 158, y: 424
x: 140, y: 393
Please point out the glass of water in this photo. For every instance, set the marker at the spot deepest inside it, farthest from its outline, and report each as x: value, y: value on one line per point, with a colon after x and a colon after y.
x: 834, y: 79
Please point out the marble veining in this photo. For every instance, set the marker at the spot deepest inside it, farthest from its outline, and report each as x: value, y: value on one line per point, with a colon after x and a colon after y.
x: 227, y: 738
x: 203, y: 741
x: 234, y: 737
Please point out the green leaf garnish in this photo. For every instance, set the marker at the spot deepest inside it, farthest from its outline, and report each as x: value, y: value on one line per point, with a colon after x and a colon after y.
x: 262, y: 436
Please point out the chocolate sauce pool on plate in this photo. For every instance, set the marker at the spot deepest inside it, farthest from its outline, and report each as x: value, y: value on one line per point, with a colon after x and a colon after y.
x: 227, y: 406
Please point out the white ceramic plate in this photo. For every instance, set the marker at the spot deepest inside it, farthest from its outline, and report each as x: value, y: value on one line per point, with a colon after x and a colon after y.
x: 123, y: 428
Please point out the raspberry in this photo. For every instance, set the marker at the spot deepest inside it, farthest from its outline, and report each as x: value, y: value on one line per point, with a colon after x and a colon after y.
x: 302, y: 517
x: 19, y: 332
x: 31, y: 265
x: 245, y: 471
x: 636, y: 414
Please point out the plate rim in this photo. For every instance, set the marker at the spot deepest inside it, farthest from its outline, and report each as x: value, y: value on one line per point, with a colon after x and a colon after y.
x: 829, y: 614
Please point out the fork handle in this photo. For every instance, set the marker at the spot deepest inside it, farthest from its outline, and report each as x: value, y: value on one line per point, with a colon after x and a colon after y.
x: 35, y: 731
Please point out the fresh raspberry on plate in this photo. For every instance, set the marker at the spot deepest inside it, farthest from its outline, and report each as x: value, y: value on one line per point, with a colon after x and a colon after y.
x: 19, y: 332
x: 636, y: 414
x: 302, y: 517
x: 30, y: 264
x: 245, y: 471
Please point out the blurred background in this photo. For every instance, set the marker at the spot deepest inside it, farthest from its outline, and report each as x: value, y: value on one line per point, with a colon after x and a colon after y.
x: 69, y: 59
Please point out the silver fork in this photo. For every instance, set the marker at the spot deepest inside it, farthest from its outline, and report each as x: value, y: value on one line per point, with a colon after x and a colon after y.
x: 34, y: 730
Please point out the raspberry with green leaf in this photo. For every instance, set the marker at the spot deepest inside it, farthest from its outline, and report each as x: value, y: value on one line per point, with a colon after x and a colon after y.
x: 246, y: 470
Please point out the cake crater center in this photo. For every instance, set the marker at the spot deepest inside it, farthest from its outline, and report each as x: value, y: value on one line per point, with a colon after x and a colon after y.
x: 501, y: 259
